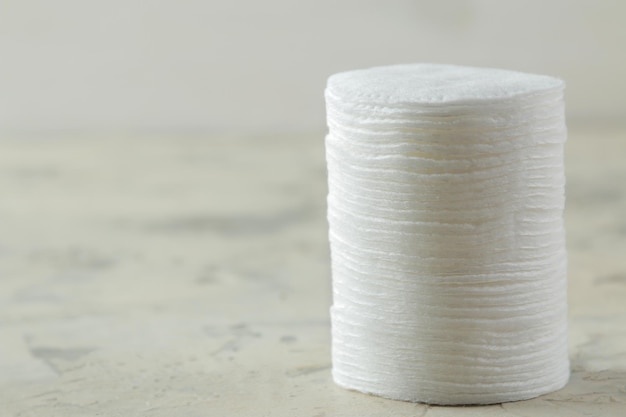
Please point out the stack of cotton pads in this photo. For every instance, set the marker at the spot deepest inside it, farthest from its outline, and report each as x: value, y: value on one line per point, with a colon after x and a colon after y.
x: 445, y: 207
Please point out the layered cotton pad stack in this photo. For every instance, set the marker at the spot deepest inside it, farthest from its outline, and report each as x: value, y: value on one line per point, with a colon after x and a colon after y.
x: 445, y: 207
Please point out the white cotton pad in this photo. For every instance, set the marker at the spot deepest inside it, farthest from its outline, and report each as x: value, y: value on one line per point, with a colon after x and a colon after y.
x: 445, y: 211
x: 437, y: 85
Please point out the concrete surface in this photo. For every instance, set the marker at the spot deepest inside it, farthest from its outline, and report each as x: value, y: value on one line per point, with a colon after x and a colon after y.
x: 190, y: 277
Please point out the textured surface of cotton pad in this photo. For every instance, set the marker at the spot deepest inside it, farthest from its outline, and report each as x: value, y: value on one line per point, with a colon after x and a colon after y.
x: 445, y: 211
x: 435, y: 84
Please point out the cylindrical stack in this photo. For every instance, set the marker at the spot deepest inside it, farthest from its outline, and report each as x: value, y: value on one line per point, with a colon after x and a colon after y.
x: 445, y: 207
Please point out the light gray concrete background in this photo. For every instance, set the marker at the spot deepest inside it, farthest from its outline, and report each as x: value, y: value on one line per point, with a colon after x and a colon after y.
x: 260, y: 66
x: 190, y: 277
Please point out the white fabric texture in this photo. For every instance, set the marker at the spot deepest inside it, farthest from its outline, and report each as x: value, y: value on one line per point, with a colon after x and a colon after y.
x: 445, y: 211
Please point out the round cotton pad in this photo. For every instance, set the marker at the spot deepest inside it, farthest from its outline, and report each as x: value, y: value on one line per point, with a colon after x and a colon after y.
x: 434, y: 84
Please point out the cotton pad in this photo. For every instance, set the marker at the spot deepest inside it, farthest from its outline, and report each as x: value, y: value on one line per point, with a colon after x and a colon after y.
x: 445, y: 211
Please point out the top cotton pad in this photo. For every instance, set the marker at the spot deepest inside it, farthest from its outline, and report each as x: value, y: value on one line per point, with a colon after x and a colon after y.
x: 434, y: 85
x: 445, y: 210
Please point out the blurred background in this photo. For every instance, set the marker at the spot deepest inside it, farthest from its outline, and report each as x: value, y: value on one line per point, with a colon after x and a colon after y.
x: 249, y: 67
